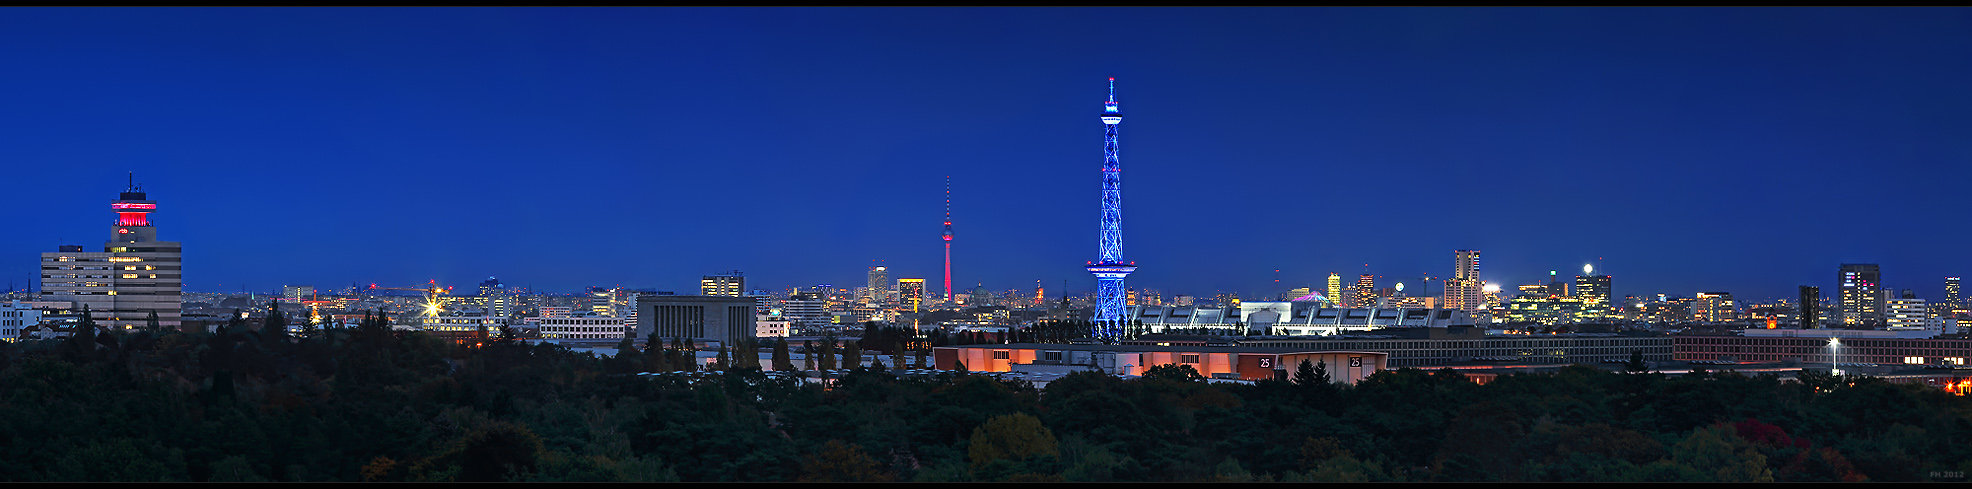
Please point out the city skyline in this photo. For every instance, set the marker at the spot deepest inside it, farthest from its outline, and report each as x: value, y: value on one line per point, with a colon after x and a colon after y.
x: 543, y: 148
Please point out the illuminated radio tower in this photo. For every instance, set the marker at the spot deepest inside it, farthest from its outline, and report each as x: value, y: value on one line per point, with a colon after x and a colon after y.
x: 1110, y: 268
x: 948, y: 239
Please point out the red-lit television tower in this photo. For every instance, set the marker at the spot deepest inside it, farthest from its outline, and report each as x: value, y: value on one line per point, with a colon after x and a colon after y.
x: 948, y: 238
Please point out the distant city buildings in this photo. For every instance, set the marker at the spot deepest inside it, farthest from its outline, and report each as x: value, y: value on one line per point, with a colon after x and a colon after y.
x: 1365, y: 291
x: 1714, y: 307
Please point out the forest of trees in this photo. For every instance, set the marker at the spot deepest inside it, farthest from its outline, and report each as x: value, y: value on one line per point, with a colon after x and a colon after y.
x: 371, y: 404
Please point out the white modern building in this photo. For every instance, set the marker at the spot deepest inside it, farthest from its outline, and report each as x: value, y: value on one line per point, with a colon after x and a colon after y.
x: 583, y: 329
x: 14, y: 316
x: 1910, y: 314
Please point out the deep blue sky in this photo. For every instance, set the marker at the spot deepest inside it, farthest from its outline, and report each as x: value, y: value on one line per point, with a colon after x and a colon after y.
x: 1739, y: 150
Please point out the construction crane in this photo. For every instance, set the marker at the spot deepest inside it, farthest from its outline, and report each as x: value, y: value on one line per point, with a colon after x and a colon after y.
x: 432, y: 304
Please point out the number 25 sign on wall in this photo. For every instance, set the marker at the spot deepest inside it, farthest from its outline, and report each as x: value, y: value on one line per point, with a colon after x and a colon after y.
x: 1266, y: 362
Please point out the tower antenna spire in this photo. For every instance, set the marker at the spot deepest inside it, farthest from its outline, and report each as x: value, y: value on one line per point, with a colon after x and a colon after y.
x: 948, y: 238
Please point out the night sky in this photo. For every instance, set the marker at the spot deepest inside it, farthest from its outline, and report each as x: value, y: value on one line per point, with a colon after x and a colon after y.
x: 1738, y: 150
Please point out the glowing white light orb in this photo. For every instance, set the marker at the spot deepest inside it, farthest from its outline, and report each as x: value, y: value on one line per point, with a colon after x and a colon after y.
x: 1588, y: 269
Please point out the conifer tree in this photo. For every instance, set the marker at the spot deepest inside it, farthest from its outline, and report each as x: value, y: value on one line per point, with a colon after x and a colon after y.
x: 807, y: 354
x: 852, y: 355
x: 782, y: 361
x: 275, y: 329
x: 828, y: 353
x: 85, y: 330
x: 151, y: 322
x: 724, y: 361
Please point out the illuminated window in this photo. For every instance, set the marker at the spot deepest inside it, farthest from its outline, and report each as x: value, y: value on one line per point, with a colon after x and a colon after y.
x: 1914, y: 360
x: 129, y: 275
x: 1955, y: 360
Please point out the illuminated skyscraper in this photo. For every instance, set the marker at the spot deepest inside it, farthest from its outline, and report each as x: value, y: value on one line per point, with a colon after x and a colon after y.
x: 1462, y: 290
x: 1593, y: 290
x: 1365, y: 291
x: 133, y: 277
x: 1951, y: 291
x: 1714, y: 307
x: 732, y: 283
x: 1335, y: 289
x: 879, y: 286
x: 1861, y: 294
x: 910, y: 294
x: 1109, y: 268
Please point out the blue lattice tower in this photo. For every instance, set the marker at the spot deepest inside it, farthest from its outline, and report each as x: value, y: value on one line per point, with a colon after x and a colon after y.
x: 1109, y: 267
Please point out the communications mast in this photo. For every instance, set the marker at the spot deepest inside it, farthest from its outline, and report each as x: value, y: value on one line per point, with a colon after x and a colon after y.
x: 948, y: 239
x: 1109, y: 267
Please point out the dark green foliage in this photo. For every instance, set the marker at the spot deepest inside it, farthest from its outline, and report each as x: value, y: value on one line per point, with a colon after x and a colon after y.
x: 369, y: 403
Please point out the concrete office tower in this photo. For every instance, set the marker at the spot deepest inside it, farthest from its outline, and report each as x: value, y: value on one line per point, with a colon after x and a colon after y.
x: 1861, y: 294
x: 1462, y: 290
x: 1365, y: 291
x: 1951, y: 291
x: 910, y: 294
x: 732, y: 283
x: 1810, y: 307
x: 1335, y: 290
x: 135, y: 274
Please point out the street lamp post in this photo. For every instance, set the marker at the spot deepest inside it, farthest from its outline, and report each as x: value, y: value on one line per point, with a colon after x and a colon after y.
x: 1835, y: 355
